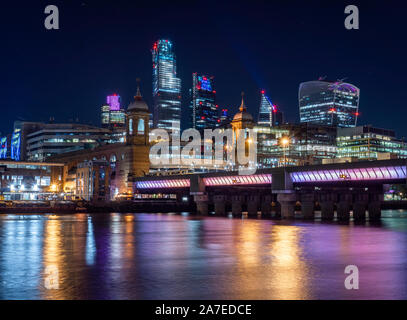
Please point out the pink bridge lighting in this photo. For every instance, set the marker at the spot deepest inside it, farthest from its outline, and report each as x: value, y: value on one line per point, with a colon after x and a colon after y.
x: 156, y: 184
x: 236, y: 180
x: 379, y: 173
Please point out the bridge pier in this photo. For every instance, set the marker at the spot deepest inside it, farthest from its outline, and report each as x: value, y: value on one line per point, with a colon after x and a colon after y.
x: 359, y: 207
x: 343, y: 207
x: 359, y: 210
x: 375, y: 211
x: 252, y: 206
x: 327, y: 210
x: 266, y: 206
x: 307, y: 205
x: 237, y: 206
x: 287, y: 202
x: 220, y: 205
x: 201, y: 201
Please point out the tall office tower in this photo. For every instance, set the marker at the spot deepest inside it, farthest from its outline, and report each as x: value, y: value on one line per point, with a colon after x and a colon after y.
x: 204, y: 111
x: 269, y: 115
x: 333, y: 103
x: 112, y: 114
x: 166, y: 87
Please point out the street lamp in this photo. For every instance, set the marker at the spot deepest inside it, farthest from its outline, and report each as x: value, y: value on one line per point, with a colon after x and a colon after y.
x: 285, y: 142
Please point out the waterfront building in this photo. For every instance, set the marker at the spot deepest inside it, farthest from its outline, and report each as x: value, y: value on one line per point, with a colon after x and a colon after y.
x: 126, y: 160
x: 369, y: 143
x: 204, y: 110
x: 22, y: 180
x: 166, y: 87
x: 93, y: 180
x: 294, y: 144
x: 113, y: 116
x: 55, y: 138
x: 331, y: 103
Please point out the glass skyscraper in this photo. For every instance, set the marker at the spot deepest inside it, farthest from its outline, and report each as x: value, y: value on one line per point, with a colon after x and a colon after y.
x: 269, y: 115
x: 166, y: 87
x: 204, y: 111
x: 332, y: 103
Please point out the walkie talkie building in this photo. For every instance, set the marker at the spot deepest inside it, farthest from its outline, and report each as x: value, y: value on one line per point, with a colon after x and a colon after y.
x: 332, y: 103
x: 166, y: 87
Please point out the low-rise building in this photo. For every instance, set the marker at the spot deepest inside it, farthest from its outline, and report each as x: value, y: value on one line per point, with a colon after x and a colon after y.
x: 30, y: 180
x: 93, y: 180
x: 369, y: 143
x: 51, y: 139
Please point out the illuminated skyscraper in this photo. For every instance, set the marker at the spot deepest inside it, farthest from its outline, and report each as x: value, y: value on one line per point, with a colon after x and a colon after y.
x: 204, y: 111
x: 112, y: 114
x: 332, y: 103
x: 166, y: 87
x: 269, y: 115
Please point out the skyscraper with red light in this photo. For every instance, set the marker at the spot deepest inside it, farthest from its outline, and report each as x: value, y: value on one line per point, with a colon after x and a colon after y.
x: 204, y: 110
x: 166, y: 87
x: 269, y: 115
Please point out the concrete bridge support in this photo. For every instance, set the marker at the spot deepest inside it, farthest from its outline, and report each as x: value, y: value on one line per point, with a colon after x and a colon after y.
x: 287, y: 201
x: 359, y: 210
x: 343, y: 207
x: 220, y: 205
x: 375, y: 211
x: 266, y: 206
x: 252, y: 205
x: 327, y: 210
x: 307, y: 205
x: 201, y: 204
x: 237, y: 206
x: 359, y: 207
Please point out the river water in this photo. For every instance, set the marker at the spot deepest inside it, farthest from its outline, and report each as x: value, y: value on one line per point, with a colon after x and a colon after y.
x: 164, y: 256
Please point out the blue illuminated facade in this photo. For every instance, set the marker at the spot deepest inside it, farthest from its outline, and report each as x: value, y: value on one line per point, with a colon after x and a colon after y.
x: 332, y: 103
x: 16, y: 145
x: 166, y: 87
x: 204, y: 110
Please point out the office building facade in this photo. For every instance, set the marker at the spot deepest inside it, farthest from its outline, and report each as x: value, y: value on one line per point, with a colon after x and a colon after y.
x: 166, y: 87
x: 113, y: 116
x: 369, y: 143
x: 331, y: 103
x: 51, y: 139
x: 203, y: 107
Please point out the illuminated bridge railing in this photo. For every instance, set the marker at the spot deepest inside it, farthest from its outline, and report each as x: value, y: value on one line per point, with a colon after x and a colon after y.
x: 379, y: 173
x: 236, y: 180
x: 156, y: 184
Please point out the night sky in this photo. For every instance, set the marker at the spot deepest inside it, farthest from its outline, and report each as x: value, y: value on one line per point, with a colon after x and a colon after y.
x: 103, y: 46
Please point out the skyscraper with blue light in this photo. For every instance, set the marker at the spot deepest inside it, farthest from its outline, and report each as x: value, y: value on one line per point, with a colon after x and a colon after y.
x: 332, y: 103
x: 204, y: 111
x: 166, y: 87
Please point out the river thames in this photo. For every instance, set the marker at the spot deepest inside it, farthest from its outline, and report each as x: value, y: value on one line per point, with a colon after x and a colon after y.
x: 164, y: 256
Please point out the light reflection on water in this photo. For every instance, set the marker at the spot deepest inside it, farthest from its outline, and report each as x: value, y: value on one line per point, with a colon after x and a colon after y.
x: 159, y: 256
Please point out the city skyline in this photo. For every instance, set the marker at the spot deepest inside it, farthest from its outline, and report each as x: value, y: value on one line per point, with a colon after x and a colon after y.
x: 233, y: 64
